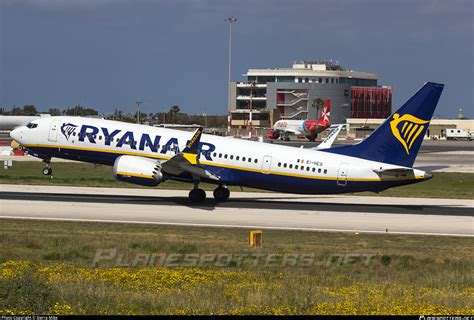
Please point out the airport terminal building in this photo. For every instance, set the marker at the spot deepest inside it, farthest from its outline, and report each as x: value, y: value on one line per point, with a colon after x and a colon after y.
x: 299, y: 93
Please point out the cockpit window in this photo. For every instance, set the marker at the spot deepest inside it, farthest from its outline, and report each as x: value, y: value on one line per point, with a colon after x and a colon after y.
x: 31, y: 125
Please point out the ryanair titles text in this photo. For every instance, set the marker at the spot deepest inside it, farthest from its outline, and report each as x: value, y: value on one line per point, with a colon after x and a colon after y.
x: 144, y: 143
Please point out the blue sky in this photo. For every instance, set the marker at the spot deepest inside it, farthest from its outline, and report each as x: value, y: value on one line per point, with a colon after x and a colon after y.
x: 106, y: 53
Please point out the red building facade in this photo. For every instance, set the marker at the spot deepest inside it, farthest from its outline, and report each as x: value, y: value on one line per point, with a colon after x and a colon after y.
x: 371, y: 102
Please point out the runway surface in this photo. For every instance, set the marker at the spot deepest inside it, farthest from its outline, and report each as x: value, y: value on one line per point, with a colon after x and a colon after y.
x: 244, y: 210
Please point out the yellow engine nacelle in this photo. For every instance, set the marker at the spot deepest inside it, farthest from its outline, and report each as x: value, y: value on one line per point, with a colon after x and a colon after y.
x: 138, y: 170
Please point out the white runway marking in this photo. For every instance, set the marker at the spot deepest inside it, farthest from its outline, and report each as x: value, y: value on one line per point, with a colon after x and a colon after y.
x: 237, y: 226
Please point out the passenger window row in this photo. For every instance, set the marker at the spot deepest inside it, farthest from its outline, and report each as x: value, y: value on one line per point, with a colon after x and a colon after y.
x: 302, y: 168
x: 232, y: 157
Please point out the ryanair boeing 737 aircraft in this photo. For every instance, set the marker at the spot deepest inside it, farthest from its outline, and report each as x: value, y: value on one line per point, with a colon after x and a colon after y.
x: 148, y: 156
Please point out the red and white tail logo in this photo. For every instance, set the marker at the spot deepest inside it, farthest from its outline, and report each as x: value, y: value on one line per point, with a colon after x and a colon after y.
x: 325, y: 115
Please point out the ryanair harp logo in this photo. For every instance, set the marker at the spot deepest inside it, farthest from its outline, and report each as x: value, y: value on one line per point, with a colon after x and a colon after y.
x: 406, y: 129
x: 67, y: 129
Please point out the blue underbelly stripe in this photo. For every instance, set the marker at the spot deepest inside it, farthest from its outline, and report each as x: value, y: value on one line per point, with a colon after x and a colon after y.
x: 233, y: 176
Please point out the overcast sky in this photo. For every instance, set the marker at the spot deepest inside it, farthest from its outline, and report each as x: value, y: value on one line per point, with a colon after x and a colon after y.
x: 106, y: 53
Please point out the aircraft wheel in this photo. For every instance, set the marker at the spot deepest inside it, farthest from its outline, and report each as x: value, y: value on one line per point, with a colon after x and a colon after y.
x: 47, y: 171
x: 197, y: 195
x: 221, y: 194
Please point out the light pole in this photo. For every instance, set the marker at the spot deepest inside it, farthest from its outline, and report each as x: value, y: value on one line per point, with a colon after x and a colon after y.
x: 230, y: 20
x: 205, y: 119
x: 138, y: 102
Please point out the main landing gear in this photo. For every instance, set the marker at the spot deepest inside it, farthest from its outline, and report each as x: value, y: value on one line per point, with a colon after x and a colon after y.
x: 221, y: 194
x: 285, y: 136
x: 47, y: 171
x: 196, y: 195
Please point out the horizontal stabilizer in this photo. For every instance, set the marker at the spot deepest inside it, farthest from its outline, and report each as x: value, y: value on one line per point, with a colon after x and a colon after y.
x: 432, y: 168
x: 394, y: 171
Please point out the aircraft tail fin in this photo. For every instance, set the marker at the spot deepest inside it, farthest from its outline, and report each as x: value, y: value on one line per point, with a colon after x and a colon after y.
x: 398, y: 140
x: 326, y: 113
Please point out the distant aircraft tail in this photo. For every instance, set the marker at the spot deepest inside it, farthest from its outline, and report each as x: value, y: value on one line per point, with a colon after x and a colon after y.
x: 399, y: 138
x: 326, y: 114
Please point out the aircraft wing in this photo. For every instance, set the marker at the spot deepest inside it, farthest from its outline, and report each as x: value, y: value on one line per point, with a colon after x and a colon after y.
x: 327, y: 143
x: 187, y: 160
x: 290, y: 130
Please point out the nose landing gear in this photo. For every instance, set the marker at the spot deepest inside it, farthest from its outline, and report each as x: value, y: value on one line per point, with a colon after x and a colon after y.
x: 47, y: 171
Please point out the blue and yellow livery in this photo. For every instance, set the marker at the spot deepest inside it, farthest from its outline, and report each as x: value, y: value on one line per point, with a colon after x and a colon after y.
x: 148, y: 155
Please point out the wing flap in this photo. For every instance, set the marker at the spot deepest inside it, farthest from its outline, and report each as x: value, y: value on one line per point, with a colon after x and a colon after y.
x: 296, y: 132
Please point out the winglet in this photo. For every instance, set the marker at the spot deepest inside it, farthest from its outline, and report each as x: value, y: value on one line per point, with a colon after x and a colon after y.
x: 190, y: 152
x: 327, y: 143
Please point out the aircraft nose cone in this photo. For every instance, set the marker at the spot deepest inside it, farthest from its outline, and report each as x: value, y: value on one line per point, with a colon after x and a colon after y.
x: 16, y: 134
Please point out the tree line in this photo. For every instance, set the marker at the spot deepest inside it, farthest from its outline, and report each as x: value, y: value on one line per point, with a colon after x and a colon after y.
x: 173, y: 116
x: 30, y: 110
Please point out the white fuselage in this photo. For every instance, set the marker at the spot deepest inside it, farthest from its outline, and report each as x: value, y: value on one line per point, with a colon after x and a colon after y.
x: 291, y: 126
x: 235, y: 161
